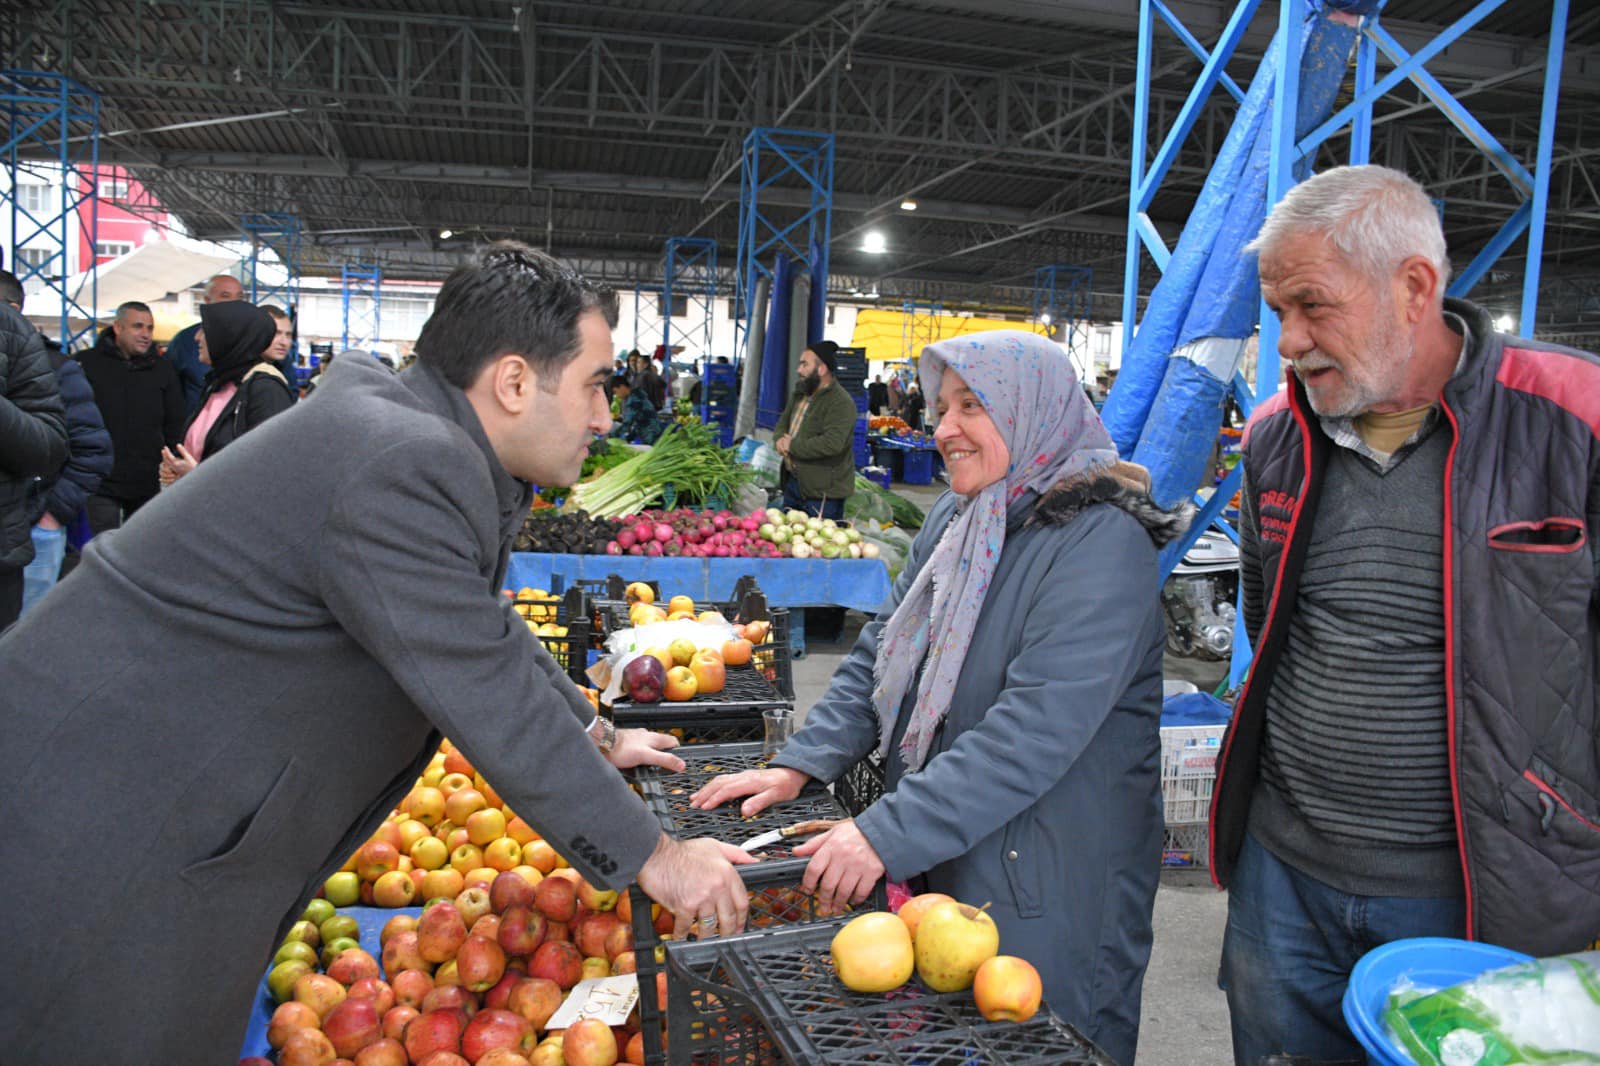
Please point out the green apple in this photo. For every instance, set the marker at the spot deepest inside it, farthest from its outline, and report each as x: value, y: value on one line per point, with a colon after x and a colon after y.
x: 296, y: 949
x: 318, y: 911
x: 306, y: 931
x: 339, y: 925
x: 336, y: 947
x: 281, y: 979
x: 343, y: 889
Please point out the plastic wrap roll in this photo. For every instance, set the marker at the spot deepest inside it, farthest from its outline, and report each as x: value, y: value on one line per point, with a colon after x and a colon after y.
x: 744, y: 422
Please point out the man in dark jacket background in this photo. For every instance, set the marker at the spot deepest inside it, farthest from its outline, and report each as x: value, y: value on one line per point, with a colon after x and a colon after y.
x: 33, y: 444
x: 142, y: 402
x: 57, y: 500
x: 1415, y: 751
x: 816, y: 437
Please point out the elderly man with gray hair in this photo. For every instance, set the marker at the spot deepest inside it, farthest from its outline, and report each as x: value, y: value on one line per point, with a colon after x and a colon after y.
x: 1415, y: 751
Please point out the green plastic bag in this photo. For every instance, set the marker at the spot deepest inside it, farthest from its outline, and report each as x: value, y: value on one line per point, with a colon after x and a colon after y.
x: 1546, y: 1011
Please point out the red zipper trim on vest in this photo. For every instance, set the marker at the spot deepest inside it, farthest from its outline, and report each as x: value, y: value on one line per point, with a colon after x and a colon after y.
x: 1556, y: 796
x: 1450, y: 656
x: 1266, y: 626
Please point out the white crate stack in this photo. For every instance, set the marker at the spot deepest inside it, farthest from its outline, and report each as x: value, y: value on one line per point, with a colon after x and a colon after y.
x: 1188, y: 774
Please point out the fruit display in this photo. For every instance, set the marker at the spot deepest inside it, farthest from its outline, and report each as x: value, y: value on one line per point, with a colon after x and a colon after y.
x: 949, y: 945
x: 473, y: 980
x: 451, y: 833
x: 888, y: 424
x: 675, y: 652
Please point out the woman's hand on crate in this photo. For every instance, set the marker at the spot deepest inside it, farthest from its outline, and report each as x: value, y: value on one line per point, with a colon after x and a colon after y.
x: 641, y: 747
x: 696, y: 881
x: 775, y: 784
x: 843, y: 868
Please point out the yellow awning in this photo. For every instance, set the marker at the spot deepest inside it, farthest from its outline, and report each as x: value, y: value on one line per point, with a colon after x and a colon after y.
x: 885, y: 334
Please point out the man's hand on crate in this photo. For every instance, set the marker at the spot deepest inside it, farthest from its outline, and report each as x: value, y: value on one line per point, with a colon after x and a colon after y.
x: 696, y: 881
x: 843, y: 869
x: 775, y: 784
x: 641, y: 747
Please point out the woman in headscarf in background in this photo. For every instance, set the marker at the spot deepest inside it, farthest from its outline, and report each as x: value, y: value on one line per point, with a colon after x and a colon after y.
x: 1012, y: 684
x: 242, y: 390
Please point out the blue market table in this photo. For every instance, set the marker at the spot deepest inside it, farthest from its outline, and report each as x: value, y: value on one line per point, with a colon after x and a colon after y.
x: 794, y: 583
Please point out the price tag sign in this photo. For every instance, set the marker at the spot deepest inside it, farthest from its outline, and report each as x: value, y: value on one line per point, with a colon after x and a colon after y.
x: 610, y: 999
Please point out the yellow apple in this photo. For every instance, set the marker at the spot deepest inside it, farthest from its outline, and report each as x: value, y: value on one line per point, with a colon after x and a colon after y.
x: 953, y: 940
x: 683, y: 650
x: 873, y: 953
x: 1007, y: 989
x: 681, y: 603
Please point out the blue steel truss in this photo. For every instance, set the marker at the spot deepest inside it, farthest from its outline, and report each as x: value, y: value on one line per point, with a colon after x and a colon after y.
x: 1061, y: 302
x: 1532, y: 185
x: 362, y: 287
x: 273, y: 283
x: 794, y: 161
x: 919, y: 327
x: 51, y: 114
x: 689, y: 286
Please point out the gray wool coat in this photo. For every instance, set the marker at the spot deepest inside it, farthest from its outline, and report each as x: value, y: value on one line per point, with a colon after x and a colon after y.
x: 1042, y: 792
x: 228, y: 695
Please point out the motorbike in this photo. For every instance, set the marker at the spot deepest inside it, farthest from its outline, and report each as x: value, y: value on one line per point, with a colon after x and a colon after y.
x: 1199, y: 596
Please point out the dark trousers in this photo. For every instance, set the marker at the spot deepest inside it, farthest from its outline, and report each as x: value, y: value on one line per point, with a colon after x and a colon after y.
x: 10, y: 595
x: 109, y: 512
x: 817, y: 508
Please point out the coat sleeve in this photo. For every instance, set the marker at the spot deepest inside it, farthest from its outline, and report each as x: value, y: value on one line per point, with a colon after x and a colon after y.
x: 1250, y: 558
x: 33, y: 421
x: 842, y: 728
x: 832, y: 435
x: 175, y: 405
x: 1084, y: 640
x: 90, y: 456
x: 401, y: 572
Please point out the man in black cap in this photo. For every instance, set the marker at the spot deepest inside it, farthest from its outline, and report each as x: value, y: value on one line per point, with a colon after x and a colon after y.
x: 815, y: 437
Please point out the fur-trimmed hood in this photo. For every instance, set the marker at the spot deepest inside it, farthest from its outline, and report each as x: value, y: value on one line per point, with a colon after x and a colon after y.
x: 1124, y: 485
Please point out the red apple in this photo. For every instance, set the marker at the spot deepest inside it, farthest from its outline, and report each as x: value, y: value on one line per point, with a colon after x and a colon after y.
x: 396, y: 1019
x: 410, y: 986
x: 644, y: 678
x: 319, y: 992
x: 403, y: 952
x: 480, y: 964
x: 521, y: 929
x: 618, y: 941
x: 440, y: 933
x: 376, y: 858
x: 496, y: 997
x: 444, y: 1058
x: 591, y: 933
x: 351, y: 966
x: 510, y: 889
x: 307, y: 1047
x: 558, y: 960
x: 491, y: 1029
x: 536, y: 999
x: 450, y: 997
x: 503, y: 1056
x: 352, y: 1025
x: 386, y: 1052
x: 625, y: 962
x: 556, y: 898
x: 487, y: 927
x: 435, y: 1030
x: 1007, y: 989
x: 375, y: 989
x: 556, y: 931
x: 289, y: 1017
x: 589, y: 1042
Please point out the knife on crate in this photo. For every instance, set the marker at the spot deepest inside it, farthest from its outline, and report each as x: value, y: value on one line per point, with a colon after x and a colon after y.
x: 799, y: 829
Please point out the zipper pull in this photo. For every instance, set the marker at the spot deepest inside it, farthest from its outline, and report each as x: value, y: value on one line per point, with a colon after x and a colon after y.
x: 1547, y: 808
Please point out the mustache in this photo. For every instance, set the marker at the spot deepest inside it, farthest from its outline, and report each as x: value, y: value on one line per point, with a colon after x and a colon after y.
x: 1312, y: 362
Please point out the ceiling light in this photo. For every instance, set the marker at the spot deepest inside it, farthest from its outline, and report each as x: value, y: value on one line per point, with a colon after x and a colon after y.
x: 1504, y: 324
x: 1044, y: 319
x: 446, y: 234
x: 908, y: 204
x: 874, y: 243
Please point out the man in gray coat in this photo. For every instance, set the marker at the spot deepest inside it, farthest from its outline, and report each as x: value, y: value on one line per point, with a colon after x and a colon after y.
x: 255, y: 705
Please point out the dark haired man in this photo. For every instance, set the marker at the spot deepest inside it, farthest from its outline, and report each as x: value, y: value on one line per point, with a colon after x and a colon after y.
x: 141, y: 399
x: 370, y: 563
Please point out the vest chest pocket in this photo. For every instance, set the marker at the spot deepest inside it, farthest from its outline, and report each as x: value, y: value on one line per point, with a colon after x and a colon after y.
x: 1547, y: 536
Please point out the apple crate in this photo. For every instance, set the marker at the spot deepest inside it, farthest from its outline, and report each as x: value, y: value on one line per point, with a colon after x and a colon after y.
x: 772, y: 997
x: 711, y: 1030
x: 744, y: 692
x: 691, y: 725
x: 1189, y: 771
x: 572, y: 609
x: 862, y: 785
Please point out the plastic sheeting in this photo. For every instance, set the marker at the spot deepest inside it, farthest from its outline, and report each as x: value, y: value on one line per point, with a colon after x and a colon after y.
x: 799, y: 323
x: 744, y: 422
x: 775, y: 348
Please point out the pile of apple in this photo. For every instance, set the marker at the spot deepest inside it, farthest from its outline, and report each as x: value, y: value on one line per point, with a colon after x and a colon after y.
x: 472, y: 981
x: 686, y: 666
x: 949, y: 945
x: 451, y: 832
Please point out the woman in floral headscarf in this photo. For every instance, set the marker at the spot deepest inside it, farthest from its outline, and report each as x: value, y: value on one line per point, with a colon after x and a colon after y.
x: 1012, y: 685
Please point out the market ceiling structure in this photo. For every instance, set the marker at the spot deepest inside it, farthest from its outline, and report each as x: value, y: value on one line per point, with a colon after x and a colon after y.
x: 599, y: 128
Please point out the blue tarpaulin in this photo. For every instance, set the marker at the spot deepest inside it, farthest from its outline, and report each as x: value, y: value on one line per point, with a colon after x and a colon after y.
x: 775, y: 348
x: 859, y: 583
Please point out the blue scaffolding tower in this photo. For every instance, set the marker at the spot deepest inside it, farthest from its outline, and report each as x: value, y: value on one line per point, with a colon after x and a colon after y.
x: 798, y: 225
x: 919, y: 327
x: 689, y: 292
x: 361, y: 287
x: 276, y: 283
x: 1061, y: 303
x: 1292, y: 152
x: 51, y: 115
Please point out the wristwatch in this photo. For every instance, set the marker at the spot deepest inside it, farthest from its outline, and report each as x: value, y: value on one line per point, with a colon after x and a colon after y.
x: 608, y: 734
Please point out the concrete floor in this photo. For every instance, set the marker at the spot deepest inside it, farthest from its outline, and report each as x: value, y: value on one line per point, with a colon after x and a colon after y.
x: 1185, y: 1018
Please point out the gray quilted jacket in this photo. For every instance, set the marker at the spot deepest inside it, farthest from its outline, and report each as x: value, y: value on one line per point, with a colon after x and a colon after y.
x: 1522, y: 507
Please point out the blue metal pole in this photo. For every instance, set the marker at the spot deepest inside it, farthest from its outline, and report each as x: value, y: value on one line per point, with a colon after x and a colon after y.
x: 1463, y: 282
x: 1366, y: 70
x: 1141, y: 135
x: 1541, y: 185
x: 1208, y: 58
x: 1280, y: 172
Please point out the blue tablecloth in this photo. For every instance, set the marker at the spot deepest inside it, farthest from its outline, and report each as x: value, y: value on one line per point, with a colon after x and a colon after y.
x: 859, y: 583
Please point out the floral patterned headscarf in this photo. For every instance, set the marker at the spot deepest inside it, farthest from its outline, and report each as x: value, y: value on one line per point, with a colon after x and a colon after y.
x: 1029, y: 388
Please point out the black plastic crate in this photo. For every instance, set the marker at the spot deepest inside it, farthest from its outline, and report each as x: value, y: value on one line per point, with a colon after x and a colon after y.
x: 744, y: 691
x: 773, y: 997
x: 861, y: 786
x: 691, y: 726
x: 572, y: 609
x: 708, y: 1029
